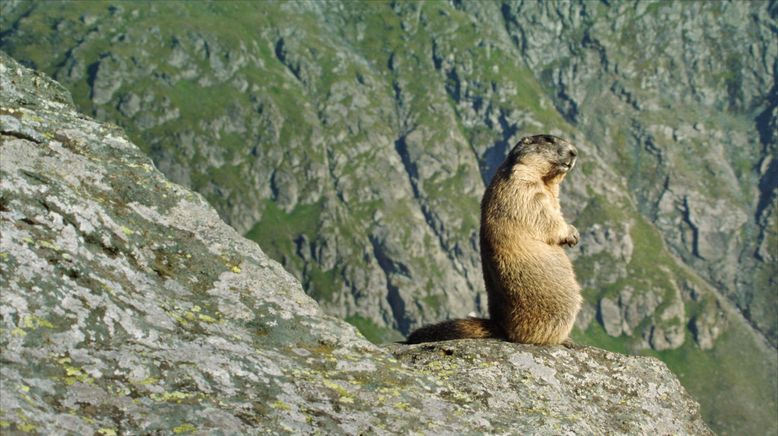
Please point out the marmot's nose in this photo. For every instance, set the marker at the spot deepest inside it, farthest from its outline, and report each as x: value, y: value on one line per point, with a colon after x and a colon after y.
x: 572, y: 152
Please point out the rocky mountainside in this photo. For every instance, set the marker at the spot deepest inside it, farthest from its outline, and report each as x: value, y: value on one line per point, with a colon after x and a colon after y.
x: 353, y: 142
x: 129, y: 307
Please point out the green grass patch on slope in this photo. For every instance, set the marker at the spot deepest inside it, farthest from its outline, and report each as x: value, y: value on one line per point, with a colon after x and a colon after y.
x: 277, y: 230
x: 731, y: 381
x: 321, y: 285
x: 596, y: 336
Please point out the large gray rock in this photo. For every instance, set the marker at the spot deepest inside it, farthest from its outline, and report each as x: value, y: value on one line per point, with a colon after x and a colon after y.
x: 128, y: 306
x: 554, y: 390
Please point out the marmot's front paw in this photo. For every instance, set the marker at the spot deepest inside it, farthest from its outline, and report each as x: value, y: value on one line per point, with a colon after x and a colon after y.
x: 572, y: 237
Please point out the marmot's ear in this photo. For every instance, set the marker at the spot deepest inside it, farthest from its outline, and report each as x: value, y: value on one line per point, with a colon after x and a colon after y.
x: 526, y: 140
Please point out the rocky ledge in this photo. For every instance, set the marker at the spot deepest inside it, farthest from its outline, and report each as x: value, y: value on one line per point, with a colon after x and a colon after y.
x: 128, y: 306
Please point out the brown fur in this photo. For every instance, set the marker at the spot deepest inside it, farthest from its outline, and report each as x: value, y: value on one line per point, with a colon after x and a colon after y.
x: 533, y: 293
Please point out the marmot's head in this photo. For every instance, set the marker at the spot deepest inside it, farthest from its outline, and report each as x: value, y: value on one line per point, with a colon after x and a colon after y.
x: 544, y: 156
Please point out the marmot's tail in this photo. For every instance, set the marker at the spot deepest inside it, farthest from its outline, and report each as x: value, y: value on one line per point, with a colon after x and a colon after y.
x: 469, y: 328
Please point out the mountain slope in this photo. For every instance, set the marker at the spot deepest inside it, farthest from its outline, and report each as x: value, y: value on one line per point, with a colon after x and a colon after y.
x: 354, y: 141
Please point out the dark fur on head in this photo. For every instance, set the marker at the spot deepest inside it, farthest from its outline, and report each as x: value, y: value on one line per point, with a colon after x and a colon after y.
x: 560, y: 154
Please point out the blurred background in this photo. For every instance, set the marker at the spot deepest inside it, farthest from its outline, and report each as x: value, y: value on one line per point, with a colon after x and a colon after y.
x: 353, y: 142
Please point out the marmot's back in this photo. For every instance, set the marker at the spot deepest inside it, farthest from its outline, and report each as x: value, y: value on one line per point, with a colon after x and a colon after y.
x: 533, y: 294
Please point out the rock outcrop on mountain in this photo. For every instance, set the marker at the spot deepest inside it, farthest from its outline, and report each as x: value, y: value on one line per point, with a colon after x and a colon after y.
x: 128, y: 306
x: 353, y: 142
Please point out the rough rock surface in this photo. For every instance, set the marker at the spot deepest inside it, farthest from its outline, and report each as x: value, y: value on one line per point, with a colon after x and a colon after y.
x: 129, y: 307
x: 573, y: 385
x: 353, y: 142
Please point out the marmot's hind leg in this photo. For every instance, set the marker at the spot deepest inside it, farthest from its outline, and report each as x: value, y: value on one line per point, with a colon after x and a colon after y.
x: 541, y: 332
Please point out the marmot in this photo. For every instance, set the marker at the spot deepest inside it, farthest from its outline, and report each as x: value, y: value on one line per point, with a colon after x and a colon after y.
x: 533, y: 293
